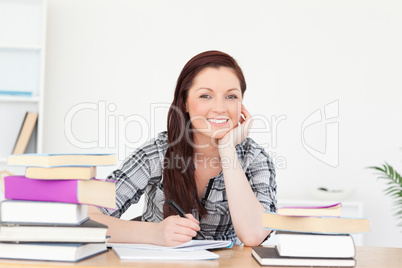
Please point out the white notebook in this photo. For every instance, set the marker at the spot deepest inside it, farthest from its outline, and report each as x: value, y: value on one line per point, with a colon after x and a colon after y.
x: 126, y: 253
x: 192, y: 250
x: 191, y: 245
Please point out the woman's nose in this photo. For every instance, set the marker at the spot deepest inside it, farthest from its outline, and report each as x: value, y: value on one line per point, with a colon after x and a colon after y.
x: 219, y: 105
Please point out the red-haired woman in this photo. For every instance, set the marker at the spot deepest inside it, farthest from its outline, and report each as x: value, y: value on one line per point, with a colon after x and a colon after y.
x: 205, y: 162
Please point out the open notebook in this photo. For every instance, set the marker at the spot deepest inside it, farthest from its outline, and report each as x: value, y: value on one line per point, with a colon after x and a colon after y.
x: 191, y: 245
x: 192, y: 250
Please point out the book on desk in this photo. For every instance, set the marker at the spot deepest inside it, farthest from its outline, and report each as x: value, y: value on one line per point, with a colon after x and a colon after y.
x: 269, y: 256
x: 37, y: 212
x: 93, y: 192
x: 61, y: 160
x: 46, y: 218
x: 61, y: 173
x: 67, y: 252
x: 88, y: 231
x: 332, y: 210
x: 295, y: 244
x: 315, y: 239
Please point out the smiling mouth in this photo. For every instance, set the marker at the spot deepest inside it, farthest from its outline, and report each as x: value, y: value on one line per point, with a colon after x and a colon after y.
x: 217, y: 121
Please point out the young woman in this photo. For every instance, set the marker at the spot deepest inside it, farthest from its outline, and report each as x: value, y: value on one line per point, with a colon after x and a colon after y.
x: 205, y: 162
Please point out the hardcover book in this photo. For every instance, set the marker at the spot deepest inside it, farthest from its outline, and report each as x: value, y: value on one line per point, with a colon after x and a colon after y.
x: 269, y: 256
x: 61, y: 173
x: 293, y: 244
x: 56, y: 160
x: 89, y: 231
x: 68, y: 252
x: 36, y: 212
x: 27, y: 128
x: 326, y: 225
x: 91, y: 192
x: 333, y: 210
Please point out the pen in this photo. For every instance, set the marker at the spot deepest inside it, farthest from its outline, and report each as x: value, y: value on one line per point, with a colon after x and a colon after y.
x: 180, y: 212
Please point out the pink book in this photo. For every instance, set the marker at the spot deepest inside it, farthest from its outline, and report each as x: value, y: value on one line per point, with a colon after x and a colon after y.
x: 333, y: 210
x: 91, y: 192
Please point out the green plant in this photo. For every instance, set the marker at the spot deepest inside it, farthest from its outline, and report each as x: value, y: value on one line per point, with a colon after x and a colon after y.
x: 394, y: 186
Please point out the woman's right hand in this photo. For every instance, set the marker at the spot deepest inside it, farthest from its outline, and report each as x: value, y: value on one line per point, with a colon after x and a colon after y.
x: 174, y: 230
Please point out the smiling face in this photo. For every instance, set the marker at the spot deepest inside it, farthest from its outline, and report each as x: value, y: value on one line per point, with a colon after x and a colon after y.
x: 214, y: 103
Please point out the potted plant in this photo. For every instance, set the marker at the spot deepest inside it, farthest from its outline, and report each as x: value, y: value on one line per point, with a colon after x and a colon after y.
x: 394, y: 186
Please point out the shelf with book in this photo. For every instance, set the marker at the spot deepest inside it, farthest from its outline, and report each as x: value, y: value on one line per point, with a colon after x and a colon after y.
x: 22, y: 66
x: 12, y: 117
x: 20, y: 71
x: 27, y: 47
x: 17, y: 99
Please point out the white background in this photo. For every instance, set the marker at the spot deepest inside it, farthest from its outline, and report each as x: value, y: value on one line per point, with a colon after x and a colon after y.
x: 122, y: 58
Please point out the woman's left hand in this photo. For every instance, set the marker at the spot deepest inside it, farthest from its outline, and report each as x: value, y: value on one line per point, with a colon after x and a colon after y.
x: 238, y: 133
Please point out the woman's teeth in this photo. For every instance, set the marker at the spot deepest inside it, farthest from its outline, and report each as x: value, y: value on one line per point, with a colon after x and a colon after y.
x: 218, y: 121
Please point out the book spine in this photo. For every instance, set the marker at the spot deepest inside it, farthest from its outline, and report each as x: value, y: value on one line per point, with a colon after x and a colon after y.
x: 22, y: 188
x: 16, y: 93
x: 16, y: 145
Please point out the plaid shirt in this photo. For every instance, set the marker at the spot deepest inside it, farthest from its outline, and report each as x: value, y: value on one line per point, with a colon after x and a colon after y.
x: 142, y: 173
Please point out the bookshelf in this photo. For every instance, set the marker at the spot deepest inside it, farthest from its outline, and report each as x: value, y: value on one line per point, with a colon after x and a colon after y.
x: 22, y: 65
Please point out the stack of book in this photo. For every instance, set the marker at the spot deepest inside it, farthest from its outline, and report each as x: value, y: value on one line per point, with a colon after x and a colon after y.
x: 311, y: 236
x: 44, y: 216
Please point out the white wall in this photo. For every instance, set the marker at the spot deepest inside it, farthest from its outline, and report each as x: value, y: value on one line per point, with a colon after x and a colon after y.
x: 297, y: 56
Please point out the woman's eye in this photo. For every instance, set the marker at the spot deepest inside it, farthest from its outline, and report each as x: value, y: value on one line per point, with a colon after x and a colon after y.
x: 204, y: 96
x: 232, y: 97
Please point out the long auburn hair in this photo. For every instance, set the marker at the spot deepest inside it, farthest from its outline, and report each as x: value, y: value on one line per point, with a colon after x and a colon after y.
x: 179, y: 170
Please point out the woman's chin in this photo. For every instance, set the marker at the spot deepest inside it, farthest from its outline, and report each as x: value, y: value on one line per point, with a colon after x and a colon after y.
x: 219, y: 135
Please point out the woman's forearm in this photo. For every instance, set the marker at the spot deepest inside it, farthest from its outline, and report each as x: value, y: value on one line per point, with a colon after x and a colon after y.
x: 172, y: 231
x: 245, y: 208
x: 123, y: 231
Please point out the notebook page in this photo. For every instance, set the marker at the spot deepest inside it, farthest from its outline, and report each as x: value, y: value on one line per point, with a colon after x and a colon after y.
x: 126, y: 253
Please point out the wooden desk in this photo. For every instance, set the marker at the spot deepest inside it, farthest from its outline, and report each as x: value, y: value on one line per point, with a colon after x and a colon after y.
x: 236, y: 257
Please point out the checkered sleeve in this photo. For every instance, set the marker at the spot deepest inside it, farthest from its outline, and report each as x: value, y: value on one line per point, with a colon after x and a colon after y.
x: 261, y: 176
x: 131, y: 180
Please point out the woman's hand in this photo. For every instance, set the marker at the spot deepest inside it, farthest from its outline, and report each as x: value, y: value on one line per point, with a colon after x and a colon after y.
x: 175, y: 230
x: 238, y: 133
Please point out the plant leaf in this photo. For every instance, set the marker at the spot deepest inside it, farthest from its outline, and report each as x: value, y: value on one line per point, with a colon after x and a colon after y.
x: 394, y: 186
